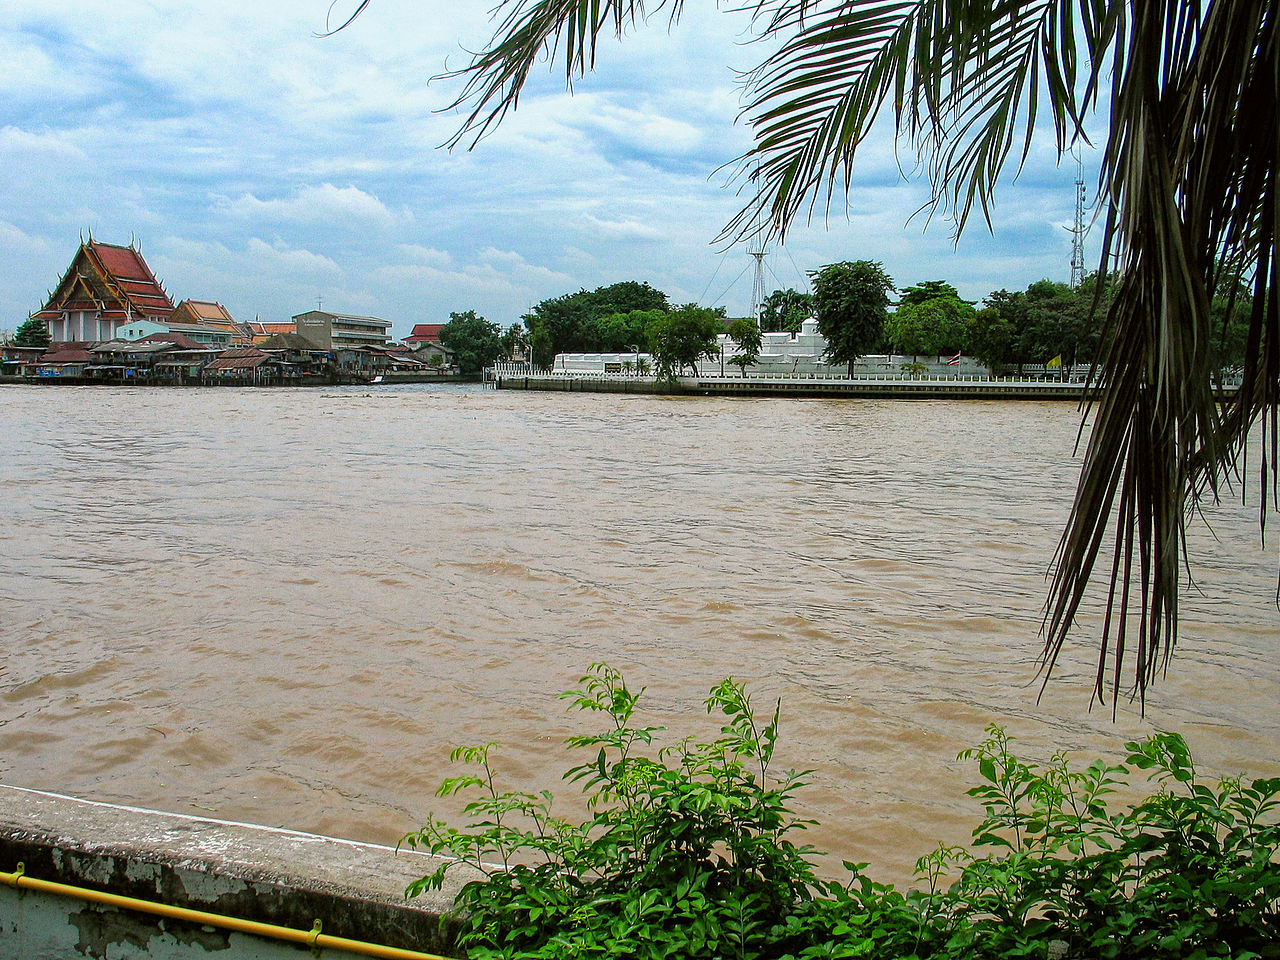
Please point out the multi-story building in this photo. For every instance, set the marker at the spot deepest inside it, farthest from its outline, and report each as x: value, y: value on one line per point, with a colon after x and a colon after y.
x: 207, y: 321
x: 204, y: 321
x: 105, y: 288
x: 337, y: 331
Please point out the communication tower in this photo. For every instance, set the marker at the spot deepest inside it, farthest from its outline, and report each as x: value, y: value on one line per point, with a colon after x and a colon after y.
x: 757, y: 252
x: 1078, y: 231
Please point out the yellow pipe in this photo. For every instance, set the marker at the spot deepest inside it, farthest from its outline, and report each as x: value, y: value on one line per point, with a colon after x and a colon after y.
x: 312, y: 938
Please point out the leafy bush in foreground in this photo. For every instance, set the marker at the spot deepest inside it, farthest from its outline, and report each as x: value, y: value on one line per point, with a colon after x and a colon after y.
x: 688, y: 852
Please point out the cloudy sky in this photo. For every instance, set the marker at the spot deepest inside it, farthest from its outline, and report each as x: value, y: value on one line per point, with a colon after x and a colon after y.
x: 262, y: 166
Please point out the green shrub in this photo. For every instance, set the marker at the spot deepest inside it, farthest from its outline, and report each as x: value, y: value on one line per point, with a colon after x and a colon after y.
x: 1191, y: 871
x: 688, y: 851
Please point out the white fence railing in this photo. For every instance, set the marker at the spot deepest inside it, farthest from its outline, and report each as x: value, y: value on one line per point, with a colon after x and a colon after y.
x: 520, y: 370
x: 1075, y: 378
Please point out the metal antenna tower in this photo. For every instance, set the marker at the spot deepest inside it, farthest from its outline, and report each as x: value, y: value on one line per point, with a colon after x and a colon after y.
x: 757, y: 252
x: 1078, y: 231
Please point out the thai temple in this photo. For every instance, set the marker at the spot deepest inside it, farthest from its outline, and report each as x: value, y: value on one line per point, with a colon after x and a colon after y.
x: 107, y: 287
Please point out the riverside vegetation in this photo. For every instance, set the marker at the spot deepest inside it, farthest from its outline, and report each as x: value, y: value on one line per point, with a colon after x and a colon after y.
x: 689, y: 849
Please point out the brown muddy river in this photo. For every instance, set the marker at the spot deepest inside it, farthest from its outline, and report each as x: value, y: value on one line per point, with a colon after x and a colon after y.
x: 286, y: 607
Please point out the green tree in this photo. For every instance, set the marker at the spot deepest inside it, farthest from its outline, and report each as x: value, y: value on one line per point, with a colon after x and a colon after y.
x: 928, y: 290
x: 514, y: 340
x: 475, y: 341
x: 939, y: 325
x: 623, y: 332
x: 681, y: 337
x: 32, y: 333
x: 745, y: 333
x: 785, y: 310
x: 1059, y: 322
x: 1188, y: 177
x: 1049, y: 326
x: 852, y: 302
x: 1230, y: 308
x: 568, y: 323
x: 991, y: 337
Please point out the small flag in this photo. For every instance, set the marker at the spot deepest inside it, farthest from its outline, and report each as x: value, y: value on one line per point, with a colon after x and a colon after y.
x: 1055, y: 362
x: 954, y: 360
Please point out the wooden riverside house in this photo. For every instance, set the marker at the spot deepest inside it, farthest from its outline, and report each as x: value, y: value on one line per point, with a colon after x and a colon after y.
x: 106, y: 287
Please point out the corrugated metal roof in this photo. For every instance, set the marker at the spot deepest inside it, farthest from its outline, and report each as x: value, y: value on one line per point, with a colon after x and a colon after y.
x: 245, y: 359
x: 177, y: 339
x: 73, y: 355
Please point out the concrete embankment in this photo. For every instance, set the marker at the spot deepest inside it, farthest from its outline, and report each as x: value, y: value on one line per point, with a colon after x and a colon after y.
x: 900, y: 389
x: 248, y: 873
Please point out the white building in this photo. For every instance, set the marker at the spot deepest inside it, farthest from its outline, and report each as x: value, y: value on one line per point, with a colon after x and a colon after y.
x: 781, y: 354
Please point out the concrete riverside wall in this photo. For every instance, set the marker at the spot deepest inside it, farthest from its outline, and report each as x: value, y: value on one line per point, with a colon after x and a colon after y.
x: 587, y: 384
x: 280, y: 877
x: 924, y: 389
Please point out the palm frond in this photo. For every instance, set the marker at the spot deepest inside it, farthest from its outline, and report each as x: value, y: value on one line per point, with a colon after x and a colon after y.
x: 1190, y: 172
x: 965, y: 79
x: 528, y: 31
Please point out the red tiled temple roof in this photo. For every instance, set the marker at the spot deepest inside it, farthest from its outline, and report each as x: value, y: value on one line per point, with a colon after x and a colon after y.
x: 425, y: 333
x: 111, y: 279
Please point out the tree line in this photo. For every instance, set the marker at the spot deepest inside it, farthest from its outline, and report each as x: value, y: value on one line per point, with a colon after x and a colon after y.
x: 625, y: 317
x: 1048, y: 322
x: 856, y: 311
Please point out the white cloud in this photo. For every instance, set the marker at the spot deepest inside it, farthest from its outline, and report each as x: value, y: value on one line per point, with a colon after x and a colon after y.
x: 322, y: 204
x: 427, y: 256
x: 624, y: 229
x: 277, y: 167
x: 644, y: 132
x: 25, y: 145
x: 280, y: 255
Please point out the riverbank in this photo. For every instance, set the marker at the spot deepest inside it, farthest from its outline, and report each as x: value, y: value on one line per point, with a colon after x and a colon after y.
x: 389, y: 379
x: 899, y: 388
x: 810, y: 385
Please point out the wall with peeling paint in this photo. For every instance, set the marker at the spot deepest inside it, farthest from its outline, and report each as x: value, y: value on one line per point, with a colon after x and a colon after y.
x: 268, y: 875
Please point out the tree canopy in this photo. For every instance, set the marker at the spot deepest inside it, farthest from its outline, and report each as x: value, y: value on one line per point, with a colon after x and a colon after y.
x: 623, y: 332
x: 936, y: 325
x: 31, y: 333
x: 474, y: 341
x: 681, y: 337
x: 927, y: 290
x: 852, y: 302
x: 745, y: 333
x: 572, y: 323
x: 785, y: 310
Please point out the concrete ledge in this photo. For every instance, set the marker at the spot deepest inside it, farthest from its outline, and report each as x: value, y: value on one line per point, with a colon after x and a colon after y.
x: 255, y: 873
x: 804, y: 387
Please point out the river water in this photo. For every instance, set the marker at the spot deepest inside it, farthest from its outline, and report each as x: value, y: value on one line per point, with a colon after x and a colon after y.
x: 287, y: 606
